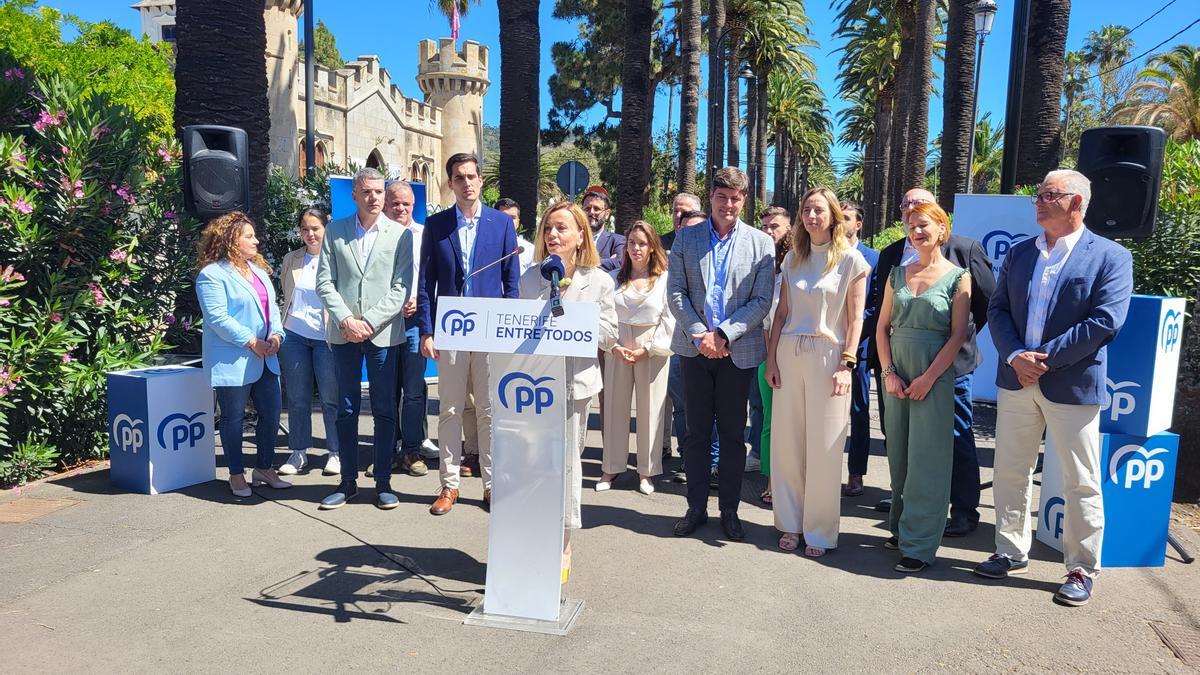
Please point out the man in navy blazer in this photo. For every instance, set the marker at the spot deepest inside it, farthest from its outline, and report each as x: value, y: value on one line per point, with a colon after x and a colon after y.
x: 457, y: 247
x: 1060, y: 299
x: 609, y: 245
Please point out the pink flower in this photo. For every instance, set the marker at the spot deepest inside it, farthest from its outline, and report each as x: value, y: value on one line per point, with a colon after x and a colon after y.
x: 39, y: 184
x: 105, y: 210
x: 9, y: 275
x: 118, y: 255
x: 22, y: 206
x: 124, y: 194
x: 97, y: 294
x: 55, y: 317
x: 186, y: 323
x: 46, y: 120
x: 64, y: 150
x: 169, y: 319
x: 66, y: 358
x: 171, y: 216
x: 125, y: 281
x: 4, y: 302
x: 14, y: 74
x: 18, y: 157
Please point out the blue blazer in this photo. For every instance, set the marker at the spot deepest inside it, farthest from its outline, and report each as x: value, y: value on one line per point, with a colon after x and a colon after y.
x: 611, y: 247
x: 1086, y: 312
x: 441, y: 262
x: 233, y: 315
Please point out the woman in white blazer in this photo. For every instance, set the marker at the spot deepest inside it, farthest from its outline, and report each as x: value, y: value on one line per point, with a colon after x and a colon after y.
x: 242, y: 334
x: 563, y: 231
x: 637, y: 364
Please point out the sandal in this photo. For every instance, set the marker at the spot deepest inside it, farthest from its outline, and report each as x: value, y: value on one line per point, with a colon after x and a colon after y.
x: 765, y: 497
x: 789, y: 541
x: 814, y: 551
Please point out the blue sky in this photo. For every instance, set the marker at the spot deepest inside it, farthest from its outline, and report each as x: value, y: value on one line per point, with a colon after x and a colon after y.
x: 391, y: 30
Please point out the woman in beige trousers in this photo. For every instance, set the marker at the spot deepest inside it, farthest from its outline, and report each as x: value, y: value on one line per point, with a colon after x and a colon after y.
x: 637, y: 364
x: 820, y: 310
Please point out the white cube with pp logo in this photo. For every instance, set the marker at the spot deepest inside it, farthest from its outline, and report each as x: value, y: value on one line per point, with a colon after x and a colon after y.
x: 160, y: 425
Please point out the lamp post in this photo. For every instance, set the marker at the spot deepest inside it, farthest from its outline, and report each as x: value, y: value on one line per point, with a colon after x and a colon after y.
x: 747, y: 73
x: 985, y: 13
x: 310, y: 143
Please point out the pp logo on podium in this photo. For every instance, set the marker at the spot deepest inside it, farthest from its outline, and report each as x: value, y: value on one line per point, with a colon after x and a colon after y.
x: 1172, y: 328
x: 182, y: 428
x: 1140, y: 467
x: 1054, y: 507
x: 127, y: 434
x: 458, y: 322
x: 997, y: 243
x: 525, y: 396
x: 1117, y: 401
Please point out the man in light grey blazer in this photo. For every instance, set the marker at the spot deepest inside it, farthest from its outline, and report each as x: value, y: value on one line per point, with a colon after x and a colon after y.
x: 720, y: 286
x: 363, y: 280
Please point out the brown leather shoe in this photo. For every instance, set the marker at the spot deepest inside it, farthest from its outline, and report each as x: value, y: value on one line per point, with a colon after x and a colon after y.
x: 487, y: 501
x: 444, y: 502
x: 470, y: 467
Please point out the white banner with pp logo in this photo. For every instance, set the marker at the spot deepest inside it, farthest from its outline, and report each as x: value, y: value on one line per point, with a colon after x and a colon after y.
x: 516, y: 326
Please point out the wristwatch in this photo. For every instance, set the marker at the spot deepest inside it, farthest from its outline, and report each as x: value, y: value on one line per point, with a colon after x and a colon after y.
x: 850, y: 365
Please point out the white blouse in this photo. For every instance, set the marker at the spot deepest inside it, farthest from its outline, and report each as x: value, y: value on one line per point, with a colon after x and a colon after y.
x: 646, y: 308
x: 306, y: 315
x: 816, y: 299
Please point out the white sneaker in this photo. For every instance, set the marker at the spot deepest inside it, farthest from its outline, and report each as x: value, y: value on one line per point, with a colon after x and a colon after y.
x: 602, y: 485
x: 645, y: 486
x: 333, y: 466
x: 752, y: 464
x: 428, y: 449
x: 294, y: 464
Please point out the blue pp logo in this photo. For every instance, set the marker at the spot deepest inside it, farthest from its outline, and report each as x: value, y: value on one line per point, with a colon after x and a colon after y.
x: 1140, y: 466
x: 1172, y: 328
x: 458, y: 322
x: 1054, y: 509
x: 997, y: 243
x: 526, y: 396
x: 182, y: 429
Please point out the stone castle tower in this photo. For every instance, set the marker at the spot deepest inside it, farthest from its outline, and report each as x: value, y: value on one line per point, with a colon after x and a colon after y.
x: 361, y: 115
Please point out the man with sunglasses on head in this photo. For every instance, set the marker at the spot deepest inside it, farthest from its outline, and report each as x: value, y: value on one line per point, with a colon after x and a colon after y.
x: 968, y: 254
x: 1061, y: 298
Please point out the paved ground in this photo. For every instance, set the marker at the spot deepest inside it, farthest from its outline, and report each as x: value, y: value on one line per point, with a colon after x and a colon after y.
x: 199, y: 581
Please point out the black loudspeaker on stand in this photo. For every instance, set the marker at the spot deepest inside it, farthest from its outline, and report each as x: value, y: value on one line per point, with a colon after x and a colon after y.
x: 1124, y: 164
x: 216, y: 170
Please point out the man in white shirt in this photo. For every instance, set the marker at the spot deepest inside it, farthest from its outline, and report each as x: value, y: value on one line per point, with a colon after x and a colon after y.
x: 512, y: 209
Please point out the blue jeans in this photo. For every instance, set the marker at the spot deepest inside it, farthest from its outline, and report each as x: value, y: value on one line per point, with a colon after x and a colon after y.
x: 678, y: 413
x: 413, y: 392
x: 301, y: 359
x: 860, y: 419
x: 381, y: 380
x: 964, y: 479
x: 232, y: 402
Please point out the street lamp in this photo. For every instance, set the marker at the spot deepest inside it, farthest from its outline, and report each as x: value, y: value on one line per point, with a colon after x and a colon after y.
x: 747, y: 73
x: 985, y: 13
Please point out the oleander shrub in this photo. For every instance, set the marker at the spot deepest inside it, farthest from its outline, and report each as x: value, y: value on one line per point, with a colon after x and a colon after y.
x: 94, y: 252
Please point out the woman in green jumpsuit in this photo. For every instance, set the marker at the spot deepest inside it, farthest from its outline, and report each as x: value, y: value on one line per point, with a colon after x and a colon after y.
x: 922, y: 326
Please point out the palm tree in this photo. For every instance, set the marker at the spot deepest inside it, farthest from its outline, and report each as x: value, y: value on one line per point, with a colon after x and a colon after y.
x: 989, y: 154
x: 225, y: 81
x: 800, y: 131
x: 634, y: 139
x: 689, y: 104
x: 1041, y: 103
x: 921, y: 85
x: 716, y: 85
x: 520, y: 114
x: 1167, y: 93
x: 1075, y: 82
x: 446, y: 7
x: 1106, y: 49
x: 958, y: 98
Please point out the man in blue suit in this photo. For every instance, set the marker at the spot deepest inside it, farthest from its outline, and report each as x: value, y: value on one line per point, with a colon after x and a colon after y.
x: 860, y: 406
x: 609, y: 245
x: 1059, y: 300
x: 459, y: 251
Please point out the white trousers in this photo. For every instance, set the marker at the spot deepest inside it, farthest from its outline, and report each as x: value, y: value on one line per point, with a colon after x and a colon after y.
x: 647, y: 380
x: 576, y: 441
x: 1074, y: 433
x: 458, y: 374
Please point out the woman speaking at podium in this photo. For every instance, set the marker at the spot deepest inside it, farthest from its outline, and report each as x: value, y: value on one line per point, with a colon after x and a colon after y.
x: 563, y: 232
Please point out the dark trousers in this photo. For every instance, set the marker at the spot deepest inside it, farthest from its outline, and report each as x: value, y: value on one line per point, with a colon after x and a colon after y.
x: 964, y: 480
x: 413, y: 393
x: 860, y: 419
x: 715, y: 389
x: 232, y: 403
x: 679, y: 415
x: 381, y: 380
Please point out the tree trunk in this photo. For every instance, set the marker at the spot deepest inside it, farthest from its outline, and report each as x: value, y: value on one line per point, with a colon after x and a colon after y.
x: 1186, y: 422
x: 635, y: 97
x: 520, y: 47
x: 760, y: 150
x: 902, y: 112
x: 733, y: 113
x: 882, y: 164
x: 752, y: 204
x: 780, y: 162
x: 917, y: 145
x: 716, y: 87
x: 1041, y: 98
x: 689, y: 97
x: 224, y: 81
x: 958, y: 99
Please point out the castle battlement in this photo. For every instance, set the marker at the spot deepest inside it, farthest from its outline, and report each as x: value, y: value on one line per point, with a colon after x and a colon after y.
x: 443, y: 69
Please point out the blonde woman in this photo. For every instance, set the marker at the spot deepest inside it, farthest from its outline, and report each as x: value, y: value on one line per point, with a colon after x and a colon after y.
x: 637, y: 364
x: 563, y: 231
x: 810, y: 356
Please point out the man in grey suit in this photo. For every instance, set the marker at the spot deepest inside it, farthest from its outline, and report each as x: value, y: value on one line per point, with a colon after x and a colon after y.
x: 720, y: 286
x: 363, y: 280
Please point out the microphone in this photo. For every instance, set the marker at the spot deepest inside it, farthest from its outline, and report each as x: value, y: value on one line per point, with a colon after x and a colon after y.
x: 552, y: 269
x: 516, y: 251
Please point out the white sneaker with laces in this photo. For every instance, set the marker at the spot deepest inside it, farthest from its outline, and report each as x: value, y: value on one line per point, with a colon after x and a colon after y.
x: 333, y: 466
x: 428, y: 449
x: 294, y: 464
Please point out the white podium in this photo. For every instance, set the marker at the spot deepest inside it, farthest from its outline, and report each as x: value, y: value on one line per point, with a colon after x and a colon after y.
x: 530, y: 384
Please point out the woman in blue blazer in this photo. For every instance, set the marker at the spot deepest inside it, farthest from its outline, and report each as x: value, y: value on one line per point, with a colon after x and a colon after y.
x: 242, y: 334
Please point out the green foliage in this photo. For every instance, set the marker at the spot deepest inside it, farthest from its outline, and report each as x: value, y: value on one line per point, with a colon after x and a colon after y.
x: 286, y: 198
x: 102, y: 59
x: 94, y: 252
x: 659, y: 218
x: 1168, y: 263
x: 886, y: 237
x: 325, y: 51
x: 28, y: 461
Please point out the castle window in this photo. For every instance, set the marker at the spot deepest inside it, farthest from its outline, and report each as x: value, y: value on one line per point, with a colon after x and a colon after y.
x: 167, y: 33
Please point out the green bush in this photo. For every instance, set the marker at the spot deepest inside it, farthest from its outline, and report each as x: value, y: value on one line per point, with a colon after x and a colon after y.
x: 886, y: 237
x: 1168, y: 263
x: 94, y: 251
x: 661, y: 221
x: 286, y: 198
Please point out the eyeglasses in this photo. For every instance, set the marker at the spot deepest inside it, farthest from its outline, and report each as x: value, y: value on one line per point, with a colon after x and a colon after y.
x: 1049, y: 197
x: 909, y: 203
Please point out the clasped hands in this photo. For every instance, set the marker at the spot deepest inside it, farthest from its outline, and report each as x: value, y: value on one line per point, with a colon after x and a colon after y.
x: 1029, y: 367
x: 356, y: 330
x: 630, y: 356
x: 265, y: 348
x: 917, y: 390
x: 712, y: 345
